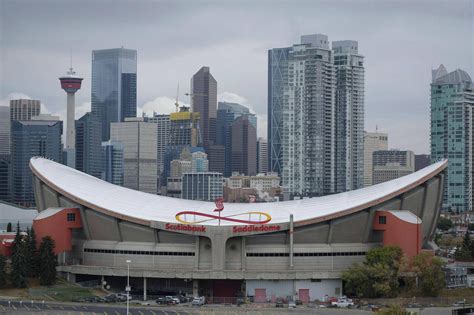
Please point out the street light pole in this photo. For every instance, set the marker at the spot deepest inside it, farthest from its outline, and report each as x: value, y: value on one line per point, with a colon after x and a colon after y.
x: 127, y: 288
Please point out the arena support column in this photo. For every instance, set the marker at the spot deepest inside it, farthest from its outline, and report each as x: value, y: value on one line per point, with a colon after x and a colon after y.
x: 291, y: 241
x: 144, y: 288
x: 195, y: 287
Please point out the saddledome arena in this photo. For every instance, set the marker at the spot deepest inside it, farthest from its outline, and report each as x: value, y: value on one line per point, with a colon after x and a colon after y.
x: 292, y: 249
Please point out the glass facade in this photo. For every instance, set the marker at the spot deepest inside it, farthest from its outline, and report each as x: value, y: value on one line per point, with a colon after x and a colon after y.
x: 88, y: 145
x: 114, y: 86
x: 32, y: 138
x: 452, y: 101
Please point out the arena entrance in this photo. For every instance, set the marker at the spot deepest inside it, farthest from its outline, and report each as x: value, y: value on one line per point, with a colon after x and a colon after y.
x: 221, y: 291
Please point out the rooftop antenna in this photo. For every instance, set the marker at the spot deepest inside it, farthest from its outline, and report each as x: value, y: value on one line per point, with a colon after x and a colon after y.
x: 71, y: 70
x: 376, y: 128
x: 176, y: 103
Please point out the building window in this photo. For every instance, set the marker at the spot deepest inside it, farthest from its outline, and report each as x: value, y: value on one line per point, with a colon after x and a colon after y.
x: 71, y: 217
x: 382, y: 219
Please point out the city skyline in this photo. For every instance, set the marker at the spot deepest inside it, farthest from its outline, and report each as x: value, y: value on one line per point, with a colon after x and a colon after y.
x: 389, y: 36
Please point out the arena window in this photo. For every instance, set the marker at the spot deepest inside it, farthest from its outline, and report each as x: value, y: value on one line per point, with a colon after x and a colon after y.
x: 136, y: 252
x: 306, y: 254
x: 71, y: 217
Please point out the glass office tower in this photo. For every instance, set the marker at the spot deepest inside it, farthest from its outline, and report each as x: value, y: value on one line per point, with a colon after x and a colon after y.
x: 114, y: 86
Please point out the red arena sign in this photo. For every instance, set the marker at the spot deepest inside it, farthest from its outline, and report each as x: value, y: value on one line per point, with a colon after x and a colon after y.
x: 255, y: 228
x: 185, y: 227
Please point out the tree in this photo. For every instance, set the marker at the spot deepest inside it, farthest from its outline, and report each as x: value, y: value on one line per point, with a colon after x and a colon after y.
x: 378, y: 276
x: 444, y: 224
x: 429, y: 270
x: 33, y: 254
x: 9, y: 227
x: 48, y: 261
x: 464, y: 253
x: 19, y: 261
x: 3, y: 272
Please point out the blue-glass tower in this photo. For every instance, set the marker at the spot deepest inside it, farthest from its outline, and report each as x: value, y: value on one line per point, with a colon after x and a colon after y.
x: 32, y: 138
x: 452, y: 116
x: 114, y: 86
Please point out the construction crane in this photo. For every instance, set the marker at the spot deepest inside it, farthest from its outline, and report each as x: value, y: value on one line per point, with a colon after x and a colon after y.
x: 176, y: 103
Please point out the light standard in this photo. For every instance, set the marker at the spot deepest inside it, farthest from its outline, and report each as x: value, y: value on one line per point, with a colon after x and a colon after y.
x: 127, y: 288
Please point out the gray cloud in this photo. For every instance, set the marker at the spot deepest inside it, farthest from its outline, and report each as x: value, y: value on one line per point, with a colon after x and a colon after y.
x: 402, y: 41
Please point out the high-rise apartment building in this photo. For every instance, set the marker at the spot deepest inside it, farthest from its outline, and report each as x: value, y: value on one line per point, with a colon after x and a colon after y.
x: 4, y: 130
x: 88, y: 145
x: 24, y: 109
x: 139, y: 141
x: 244, y: 146
x: 114, y: 86
x: 349, y: 116
x: 373, y: 141
x: 206, y: 186
x: 262, y: 156
x: 113, y: 162
x: 301, y: 116
x: 452, y: 134
x: 32, y: 138
x: 391, y: 164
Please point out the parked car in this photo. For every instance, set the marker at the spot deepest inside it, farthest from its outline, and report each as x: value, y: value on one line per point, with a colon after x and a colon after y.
x: 279, y: 302
x: 291, y: 304
x: 161, y: 300
x: 343, y: 302
x: 198, y: 300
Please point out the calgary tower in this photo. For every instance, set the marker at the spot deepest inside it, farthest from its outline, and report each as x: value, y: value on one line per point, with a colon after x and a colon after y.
x: 70, y: 83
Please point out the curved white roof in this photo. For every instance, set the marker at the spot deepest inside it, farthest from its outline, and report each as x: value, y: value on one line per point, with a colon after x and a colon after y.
x: 143, y: 207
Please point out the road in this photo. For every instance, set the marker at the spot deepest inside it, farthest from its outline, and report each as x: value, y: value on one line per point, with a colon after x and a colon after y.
x: 27, y: 308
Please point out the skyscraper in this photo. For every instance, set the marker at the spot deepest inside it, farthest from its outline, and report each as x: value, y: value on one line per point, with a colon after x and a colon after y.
x: 89, y: 145
x: 4, y: 130
x: 23, y: 109
x: 227, y: 113
x: 373, y: 141
x: 139, y: 141
x: 113, y: 163
x: 163, y: 131
x: 301, y: 116
x: 262, y: 156
x: 114, y: 86
x: 244, y: 146
x: 452, y: 106
x: 204, y: 101
x: 349, y: 67
x: 184, y: 132
x: 32, y: 138
x: 5, y: 177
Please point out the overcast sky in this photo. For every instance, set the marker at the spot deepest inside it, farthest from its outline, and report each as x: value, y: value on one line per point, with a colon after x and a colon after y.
x: 401, y: 40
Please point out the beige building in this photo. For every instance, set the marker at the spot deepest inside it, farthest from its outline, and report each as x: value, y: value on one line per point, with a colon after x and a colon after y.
x: 240, y: 188
x: 140, y: 153
x: 373, y: 141
x: 391, y: 164
x: 23, y: 109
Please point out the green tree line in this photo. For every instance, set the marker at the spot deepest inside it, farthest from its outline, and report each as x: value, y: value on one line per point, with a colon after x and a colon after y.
x: 386, y: 272
x: 29, y: 261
